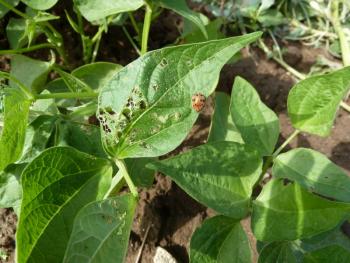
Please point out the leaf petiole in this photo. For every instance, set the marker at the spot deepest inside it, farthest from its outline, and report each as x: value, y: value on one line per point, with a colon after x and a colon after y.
x: 286, y: 142
x: 146, y: 28
x: 66, y: 95
x: 122, y: 167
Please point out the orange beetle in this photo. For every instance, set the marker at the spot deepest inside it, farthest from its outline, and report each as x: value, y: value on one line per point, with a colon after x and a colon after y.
x: 198, y: 102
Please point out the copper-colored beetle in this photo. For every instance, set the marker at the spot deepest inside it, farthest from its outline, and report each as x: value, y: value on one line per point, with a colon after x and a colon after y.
x: 198, y: 102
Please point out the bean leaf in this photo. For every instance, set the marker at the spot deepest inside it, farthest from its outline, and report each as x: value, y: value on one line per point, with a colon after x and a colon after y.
x: 16, y: 110
x: 277, y: 252
x: 56, y: 184
x: 101, y: 231
x: 40, y: 4
x: 288, y: 212
x: 313, y: 102
x: 336, y: 253
x: 4, y: 10
x: 145, y: 109
x: 313, y: 171
x: 220, y: 175
x: 222, y: 127
x: 220, y: 239
x: 94, y: 10
x: 180, y: 7
x: 258, y: 125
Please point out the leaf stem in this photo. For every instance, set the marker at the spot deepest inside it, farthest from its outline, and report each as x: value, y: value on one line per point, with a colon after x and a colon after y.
x: 122, y: 167
x: 286, y: 142
x: 134, y: 24
x: 131, y: 40
x: 345, y: 106
x: 66, y: 95
x: 13, y: 9
x: 344, y: 44
x: 146, y: 27
x: 27, y: 49
x: 21, y: 86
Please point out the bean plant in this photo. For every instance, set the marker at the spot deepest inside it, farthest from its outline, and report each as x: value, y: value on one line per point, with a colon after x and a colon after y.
x: 68, y: 146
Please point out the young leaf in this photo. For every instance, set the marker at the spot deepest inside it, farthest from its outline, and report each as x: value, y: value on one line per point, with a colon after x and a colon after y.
x: 146, y: 107
x: 15, y: 122
x: 334, y: 254
x: 4, y: 10
x: 313, y: 171
x: 40, y: 4
x: 313, y: 102
x: 222, y: 127
x: 257, y: 124
x: 288, y: 212
x: 277, y: 252
x: 16, y: 32
x: 95, y: 75
x: 220, y: 175
x: 93, y: 10
x: 182, y: 9
x: 219, y: 240
x: 32, y: 73
x: 101, y: 231
x: 56, y: 184
x: 72, y: 82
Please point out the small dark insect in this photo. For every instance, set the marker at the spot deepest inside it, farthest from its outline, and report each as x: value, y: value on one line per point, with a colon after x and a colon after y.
x: 198, y: 101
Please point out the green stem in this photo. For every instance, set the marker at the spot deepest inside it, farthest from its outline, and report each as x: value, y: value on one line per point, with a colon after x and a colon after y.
x: 13, y: 9
x: 67, y: 95
x: 280, y: 61
x: 345, y: 106
x: 122, y: 167
x: 344, y: 44
x: 134, y: 24
x: 131, y: 40
x: 286, y: 142
x: 146, y: 28
x: 27, y: 49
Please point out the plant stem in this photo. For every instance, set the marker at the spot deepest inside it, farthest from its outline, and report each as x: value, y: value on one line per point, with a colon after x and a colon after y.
x: 134, y: 24
x: 66, y: 95
x: 13, y: 9
x: 122, y: 167
x: 345, y: 106
x: 146, y: 28
x: 286, y: 142
x: 280, y: 61
x: 344, y: 44
x: 130, y: 40
x: 21, y: 86
x: 27, y: 49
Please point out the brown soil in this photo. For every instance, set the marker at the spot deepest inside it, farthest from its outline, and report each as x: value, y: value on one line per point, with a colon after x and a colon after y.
x: 169, y: 212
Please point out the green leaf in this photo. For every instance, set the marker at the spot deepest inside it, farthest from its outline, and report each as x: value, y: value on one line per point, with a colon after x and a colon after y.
x: 37, y: 138
x: 10, y: 188
x: 93, y: 10
x: 139, y: 173
x: 277, y: 252
x: 271, y: 18
x: 56, y: 184
x: 212, y: 29
x: 95, y: 75
x: 30, y: 72
x: 16, y: 32
x: 15, y: 123
x: 288, y: 212
x: 334, y: 254
x: 257, y: 124
x: 146, y: 107
x: 222, y: 127
x: 220, y: 175
x: 220, y: 239
x: 4, y: 10
x: 315, y: 172
x: 73, y: 83
x: 101, y: 231
x: 313, y: 102
x: 85, y: 138
x: 180, y: 7
x: 40, y: 4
